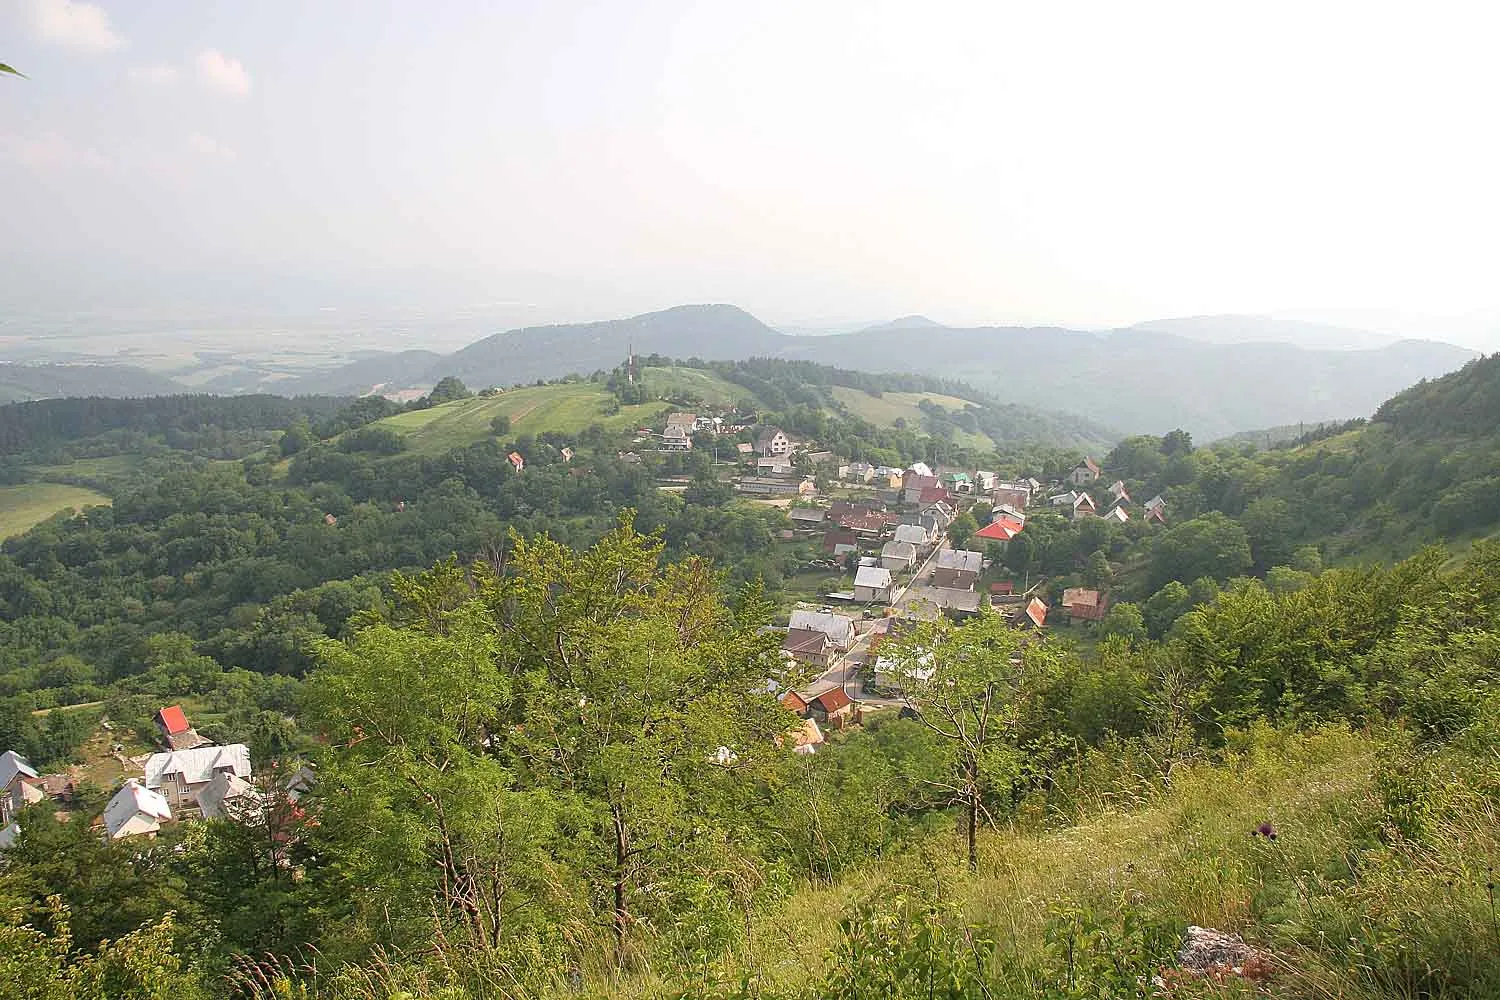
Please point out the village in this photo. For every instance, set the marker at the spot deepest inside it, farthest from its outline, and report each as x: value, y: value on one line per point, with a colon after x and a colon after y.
x: 886, y: 533
x: 891, y: 527
x: 187, y: 778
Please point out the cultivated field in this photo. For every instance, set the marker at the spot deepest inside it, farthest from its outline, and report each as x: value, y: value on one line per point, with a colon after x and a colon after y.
x: 24, y: 506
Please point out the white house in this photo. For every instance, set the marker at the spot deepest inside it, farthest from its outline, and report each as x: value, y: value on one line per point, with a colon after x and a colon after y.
x: 19, y: 785
x: 838, y: 628
x: 180, y: 775
x: 135, y: 809
x: 860, y: 472
x: 984, y: 481
x: 773, y: 441
x: 898, y: 557
x: 872, y: 583
x: 1084, y: 472
x: 676, y: 438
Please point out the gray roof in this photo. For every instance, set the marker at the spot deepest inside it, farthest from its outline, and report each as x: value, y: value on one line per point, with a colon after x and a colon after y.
x: 198, y: 765
x: 875, y: 577
x: 898, y: 550
x: 913, y: 533
x: 131, y: 801
x: 814, y: 514
x: 836, y: 627
x: 960, y: 559
x: 12, y: 764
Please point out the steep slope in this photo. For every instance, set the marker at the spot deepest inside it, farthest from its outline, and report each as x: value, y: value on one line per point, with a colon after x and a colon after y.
x: 21, y: 382
x: 702, y: 331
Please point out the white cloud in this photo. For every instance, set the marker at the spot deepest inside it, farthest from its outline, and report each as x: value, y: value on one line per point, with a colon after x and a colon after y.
x: 159, y: 74
x: 209, y: 148
x: 75, y: 24
x: 49, y: 151
x: 220, y: 72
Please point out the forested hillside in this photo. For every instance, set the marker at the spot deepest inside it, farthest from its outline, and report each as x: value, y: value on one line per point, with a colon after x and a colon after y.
x: 45, y: 381
x: 541, y: 711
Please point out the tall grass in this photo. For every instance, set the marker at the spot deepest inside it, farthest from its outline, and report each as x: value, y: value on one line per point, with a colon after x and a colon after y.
x: 1378, y: 884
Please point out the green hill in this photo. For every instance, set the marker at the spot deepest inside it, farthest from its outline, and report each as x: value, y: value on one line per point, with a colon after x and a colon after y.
x: 697, y: 383
x: 888, y: 407
x: 564, y: 407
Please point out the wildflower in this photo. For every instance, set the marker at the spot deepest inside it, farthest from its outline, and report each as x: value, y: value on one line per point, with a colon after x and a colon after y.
x: 1264, y: 830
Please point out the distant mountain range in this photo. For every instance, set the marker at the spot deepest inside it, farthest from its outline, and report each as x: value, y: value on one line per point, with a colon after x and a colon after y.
x: 1137, y: 379
x: 1268, y: 330
x: 46, y: 381
x: 1214, y: 375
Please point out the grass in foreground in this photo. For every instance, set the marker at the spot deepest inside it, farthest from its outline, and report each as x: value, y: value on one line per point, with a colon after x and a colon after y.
x: 22, y: 507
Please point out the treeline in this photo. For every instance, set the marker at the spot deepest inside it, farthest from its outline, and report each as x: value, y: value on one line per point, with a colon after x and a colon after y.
x: 33, y: 426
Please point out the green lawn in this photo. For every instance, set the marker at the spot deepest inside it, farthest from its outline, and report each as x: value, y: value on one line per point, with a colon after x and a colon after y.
x: 883, y: 410
x: 693, y: 382
x: 24, y: 506
x: 566, y: 408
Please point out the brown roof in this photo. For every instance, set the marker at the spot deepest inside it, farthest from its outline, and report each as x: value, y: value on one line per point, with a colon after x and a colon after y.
x: 1080, y: 597
x: 832, y: 700
x: 1002, y: 587
x: 805, y: 640
x: 871, y: 523
x: 833, y: 539
x: 794, y: 701
x: 1036, y: 612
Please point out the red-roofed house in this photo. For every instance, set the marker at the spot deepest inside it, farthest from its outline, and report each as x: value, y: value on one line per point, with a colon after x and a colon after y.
x: 1035, y: 615
x: 516, y: 461
x: 1000, y: 531
x: 175, y: 729
x: 833, y: 708
x: 1003, y: 587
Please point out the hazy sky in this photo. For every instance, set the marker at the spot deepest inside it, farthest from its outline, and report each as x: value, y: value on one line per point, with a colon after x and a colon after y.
x: 1079, y: 163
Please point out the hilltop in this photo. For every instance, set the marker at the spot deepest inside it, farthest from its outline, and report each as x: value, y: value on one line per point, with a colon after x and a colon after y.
x: 1138, y: 379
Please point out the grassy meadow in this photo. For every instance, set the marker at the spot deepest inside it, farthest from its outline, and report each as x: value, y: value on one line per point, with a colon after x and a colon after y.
x: 21, y: 507
x: 565, y: 408
x: 883, y: 410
